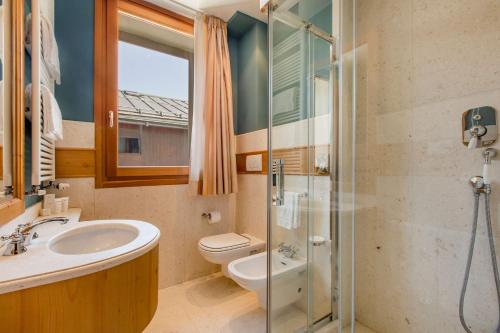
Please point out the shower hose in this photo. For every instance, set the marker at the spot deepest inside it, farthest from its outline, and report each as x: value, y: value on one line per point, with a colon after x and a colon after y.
x: 471, y: 252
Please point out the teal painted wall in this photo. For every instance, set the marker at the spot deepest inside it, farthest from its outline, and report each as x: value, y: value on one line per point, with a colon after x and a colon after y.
x: 249, y: 65
x: 74, y: 30
x: 233, y: 52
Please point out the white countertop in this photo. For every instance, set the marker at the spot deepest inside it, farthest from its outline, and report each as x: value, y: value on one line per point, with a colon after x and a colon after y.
x: 39, y: 265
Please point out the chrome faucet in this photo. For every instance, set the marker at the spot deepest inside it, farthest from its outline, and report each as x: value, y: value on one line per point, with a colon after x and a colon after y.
x: 16, y: 242
x: 288, y: 251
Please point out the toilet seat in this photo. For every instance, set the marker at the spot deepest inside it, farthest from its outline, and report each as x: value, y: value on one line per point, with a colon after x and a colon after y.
x: 224, y: 242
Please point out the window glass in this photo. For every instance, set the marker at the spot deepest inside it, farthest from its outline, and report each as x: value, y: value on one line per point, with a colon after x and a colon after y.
x: 154, y: 88
x: 129, y: 145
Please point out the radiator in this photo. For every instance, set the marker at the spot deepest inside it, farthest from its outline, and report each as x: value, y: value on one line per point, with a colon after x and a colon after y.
x: 43, y: 148
x: 289, y: 68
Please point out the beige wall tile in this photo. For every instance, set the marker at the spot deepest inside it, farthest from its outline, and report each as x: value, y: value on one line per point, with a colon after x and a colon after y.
x: 77, y: 134
x: 251, y: 203
x: 80, y: 193
x: 177, y: 214
x: 253, y: 141
x: 427, y: 62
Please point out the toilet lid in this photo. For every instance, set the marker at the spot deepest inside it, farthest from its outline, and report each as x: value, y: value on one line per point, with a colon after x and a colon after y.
x: 224, y: 242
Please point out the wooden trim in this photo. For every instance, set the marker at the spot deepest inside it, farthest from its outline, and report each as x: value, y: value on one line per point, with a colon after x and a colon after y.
x: 75, y: 162
x: 107, y: 171
x: 157, y: 14
x: 111, y: 86
x: 121, y: 299
x: 1, y: 163
x: 241, y: 167
x: 99, y: 88
x: 174, y: 180
x: 295, y: 160
x: 152, y: 171
x: 11, y: 209
x: 18, y: 100
x: 15, y: 207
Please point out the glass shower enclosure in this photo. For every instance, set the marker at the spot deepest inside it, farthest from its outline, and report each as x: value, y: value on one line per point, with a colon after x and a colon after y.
x: 310, y: 187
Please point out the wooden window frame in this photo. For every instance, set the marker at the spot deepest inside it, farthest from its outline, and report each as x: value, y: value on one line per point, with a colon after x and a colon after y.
x: 106, y: 37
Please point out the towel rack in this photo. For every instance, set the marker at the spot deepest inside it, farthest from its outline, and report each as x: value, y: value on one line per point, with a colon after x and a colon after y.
x: 43, y: 148
x: 289, y: 73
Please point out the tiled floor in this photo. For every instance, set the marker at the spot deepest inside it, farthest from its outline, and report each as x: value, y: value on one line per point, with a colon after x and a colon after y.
x: 215, y: 304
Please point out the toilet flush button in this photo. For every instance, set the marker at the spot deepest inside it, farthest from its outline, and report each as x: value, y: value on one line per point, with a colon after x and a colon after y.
x: 254, y: 162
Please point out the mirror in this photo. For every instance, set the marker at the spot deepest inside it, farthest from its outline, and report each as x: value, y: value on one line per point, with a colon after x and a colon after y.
x: 12, y: 109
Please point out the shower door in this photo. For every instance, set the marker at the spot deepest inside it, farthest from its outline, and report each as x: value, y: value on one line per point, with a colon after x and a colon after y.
x: 309, y: 232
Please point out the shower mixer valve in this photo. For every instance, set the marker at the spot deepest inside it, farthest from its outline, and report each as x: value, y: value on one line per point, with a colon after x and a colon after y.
x: 479, y: 127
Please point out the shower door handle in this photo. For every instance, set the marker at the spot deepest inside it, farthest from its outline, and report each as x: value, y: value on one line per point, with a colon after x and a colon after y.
x: 279, y: 172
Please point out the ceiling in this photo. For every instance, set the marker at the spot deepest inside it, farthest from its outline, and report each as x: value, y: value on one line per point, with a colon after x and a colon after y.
x: 154, y: 32
x: 220, y: 8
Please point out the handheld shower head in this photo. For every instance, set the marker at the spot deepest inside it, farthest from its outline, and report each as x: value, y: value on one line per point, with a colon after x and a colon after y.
x: 488, y: 154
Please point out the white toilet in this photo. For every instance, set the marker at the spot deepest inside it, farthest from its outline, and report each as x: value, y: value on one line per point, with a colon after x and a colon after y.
x: 224, y: 248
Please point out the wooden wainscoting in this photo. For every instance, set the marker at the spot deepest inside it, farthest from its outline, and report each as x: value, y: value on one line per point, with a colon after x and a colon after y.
x: 241, y: 162
x: 122, y: 299
x: 295, y: 160
x: 80, y: 162
x: 75, y: 162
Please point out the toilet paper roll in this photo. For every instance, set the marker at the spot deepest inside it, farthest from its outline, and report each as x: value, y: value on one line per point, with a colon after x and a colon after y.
x: 214, y: 217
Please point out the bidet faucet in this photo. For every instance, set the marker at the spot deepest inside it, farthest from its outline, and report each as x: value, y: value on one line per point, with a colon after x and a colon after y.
x: 288, y: 251
x: 16, y: 242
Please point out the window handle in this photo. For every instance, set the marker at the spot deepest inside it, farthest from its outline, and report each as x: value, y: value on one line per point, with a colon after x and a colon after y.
x: 111, y: 116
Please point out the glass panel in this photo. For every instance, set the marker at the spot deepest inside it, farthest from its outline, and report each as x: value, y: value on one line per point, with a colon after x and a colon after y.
x: 155, y: 83
x: 320, y: 190
x: 302, y: 138
x: 289, y: 136
x: 345, y: 189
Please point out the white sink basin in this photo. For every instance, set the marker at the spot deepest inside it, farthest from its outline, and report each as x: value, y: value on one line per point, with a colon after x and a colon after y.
x: 93, y: 238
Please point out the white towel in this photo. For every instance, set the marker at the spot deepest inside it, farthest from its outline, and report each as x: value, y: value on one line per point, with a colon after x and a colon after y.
x: 289, y: 213
x: 52, y: 117
x: 284, y: 101
x: 50, y: 51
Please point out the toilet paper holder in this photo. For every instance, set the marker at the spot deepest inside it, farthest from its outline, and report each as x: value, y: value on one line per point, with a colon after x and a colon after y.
x: 212, y: 217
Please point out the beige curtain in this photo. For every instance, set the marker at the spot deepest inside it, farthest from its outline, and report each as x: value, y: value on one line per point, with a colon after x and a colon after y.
x: 219, y: 161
